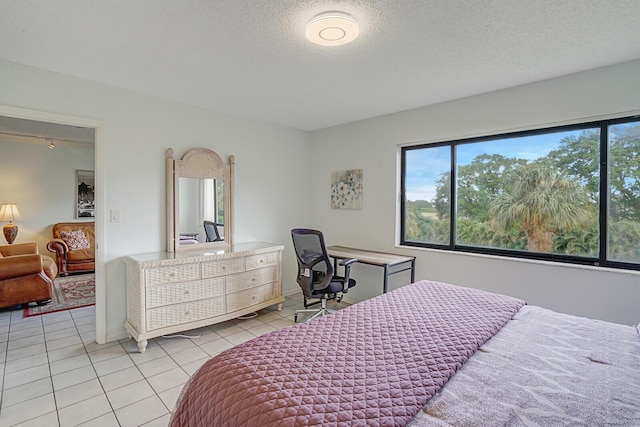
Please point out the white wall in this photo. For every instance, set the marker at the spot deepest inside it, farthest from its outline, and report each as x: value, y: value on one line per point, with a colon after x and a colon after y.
x: 42, y: 183
x: 137, y: 130
x: 373, y: 146
x: 276, y: 191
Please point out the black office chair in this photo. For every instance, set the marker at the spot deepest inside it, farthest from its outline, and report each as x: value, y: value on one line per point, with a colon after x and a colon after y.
x: 316, y: 272
x: 211, y: 231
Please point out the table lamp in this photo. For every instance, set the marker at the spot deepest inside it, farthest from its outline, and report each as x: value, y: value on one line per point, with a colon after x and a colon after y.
x: 9, y: 212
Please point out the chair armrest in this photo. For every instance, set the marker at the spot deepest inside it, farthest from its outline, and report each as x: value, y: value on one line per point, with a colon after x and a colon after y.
x: 20, y: 265
x: 19, y: 249
x: 347, y: 262
x: 58, y: 246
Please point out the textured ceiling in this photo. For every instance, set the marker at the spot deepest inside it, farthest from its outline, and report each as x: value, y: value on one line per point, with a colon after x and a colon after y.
x: 250, y: 58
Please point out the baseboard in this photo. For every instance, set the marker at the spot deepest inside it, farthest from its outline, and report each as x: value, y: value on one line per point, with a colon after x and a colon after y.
x: 294, y: 292
x: 291, y: 292
x: 118, y: 336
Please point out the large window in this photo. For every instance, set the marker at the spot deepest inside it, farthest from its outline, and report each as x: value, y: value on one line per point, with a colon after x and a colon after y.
x: 213, y: 197
x: 568, y: 194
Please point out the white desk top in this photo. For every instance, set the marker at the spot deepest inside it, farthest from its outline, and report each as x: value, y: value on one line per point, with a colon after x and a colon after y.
x: 367, y: 257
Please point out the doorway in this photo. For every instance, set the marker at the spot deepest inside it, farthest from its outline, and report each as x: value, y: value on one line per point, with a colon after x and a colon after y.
x: 44, y: 133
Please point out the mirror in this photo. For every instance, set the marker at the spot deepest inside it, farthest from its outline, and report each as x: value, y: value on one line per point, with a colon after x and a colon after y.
x: 199, y: 200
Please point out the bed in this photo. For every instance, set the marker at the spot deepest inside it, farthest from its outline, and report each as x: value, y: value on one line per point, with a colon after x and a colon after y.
x: 426, y: 354
x: 188, y: 239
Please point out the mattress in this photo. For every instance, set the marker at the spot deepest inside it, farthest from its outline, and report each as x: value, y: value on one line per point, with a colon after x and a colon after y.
x: 545, y: 369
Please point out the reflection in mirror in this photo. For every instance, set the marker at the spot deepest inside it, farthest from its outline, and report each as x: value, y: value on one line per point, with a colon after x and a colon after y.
x: 201, y: 203
x: 199, y: 200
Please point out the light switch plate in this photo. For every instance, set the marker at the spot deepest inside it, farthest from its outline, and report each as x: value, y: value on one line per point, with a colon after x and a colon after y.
x: 115, y: 215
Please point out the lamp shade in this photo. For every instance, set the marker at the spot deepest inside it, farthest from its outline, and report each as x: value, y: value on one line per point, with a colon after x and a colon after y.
x: 9, y: 212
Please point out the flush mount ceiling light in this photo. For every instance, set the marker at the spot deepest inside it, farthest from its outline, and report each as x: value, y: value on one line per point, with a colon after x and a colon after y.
x: 332, y: 29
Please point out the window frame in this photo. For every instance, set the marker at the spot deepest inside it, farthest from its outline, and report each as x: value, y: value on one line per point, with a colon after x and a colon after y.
x: 603, y: 206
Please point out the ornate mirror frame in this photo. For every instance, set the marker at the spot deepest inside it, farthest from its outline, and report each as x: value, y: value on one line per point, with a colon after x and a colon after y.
x: 197, y: 163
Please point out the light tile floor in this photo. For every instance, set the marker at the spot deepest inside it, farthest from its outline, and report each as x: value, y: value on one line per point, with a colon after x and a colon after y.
x: 54, y: 373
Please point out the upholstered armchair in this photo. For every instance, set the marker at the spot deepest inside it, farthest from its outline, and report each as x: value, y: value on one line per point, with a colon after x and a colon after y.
x: 74, y: 246
x: 25, y: 275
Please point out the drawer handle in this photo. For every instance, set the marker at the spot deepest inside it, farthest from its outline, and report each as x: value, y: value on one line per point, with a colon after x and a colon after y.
x: 186, y: 291
x: 186, y: 313
x: 261, y: 261
x: 172, y: 274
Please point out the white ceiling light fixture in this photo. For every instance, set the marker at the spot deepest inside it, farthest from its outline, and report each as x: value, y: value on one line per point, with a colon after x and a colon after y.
x: 332, y: 29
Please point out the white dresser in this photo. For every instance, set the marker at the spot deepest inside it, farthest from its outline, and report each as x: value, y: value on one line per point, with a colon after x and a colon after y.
x: 169, y: 292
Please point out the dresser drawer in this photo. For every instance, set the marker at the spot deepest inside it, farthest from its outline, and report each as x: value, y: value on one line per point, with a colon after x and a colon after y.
x: 262, y: 260
x: 176, y: 314
x: 172, y: 274
x: 223, y: 267
x: 181, y: 292
x: 251, y: 279
x: 253, y: 296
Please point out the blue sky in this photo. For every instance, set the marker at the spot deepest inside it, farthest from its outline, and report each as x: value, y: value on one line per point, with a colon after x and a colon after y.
x: 425, y: 166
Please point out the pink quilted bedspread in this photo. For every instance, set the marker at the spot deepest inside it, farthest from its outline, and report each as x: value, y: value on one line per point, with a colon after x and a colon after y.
x: 374, y: 363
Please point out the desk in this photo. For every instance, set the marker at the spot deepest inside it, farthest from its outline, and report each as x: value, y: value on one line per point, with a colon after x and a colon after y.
x: 391, y: 263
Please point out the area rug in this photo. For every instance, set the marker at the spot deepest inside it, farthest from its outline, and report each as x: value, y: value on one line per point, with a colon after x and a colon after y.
x: 68, y: 292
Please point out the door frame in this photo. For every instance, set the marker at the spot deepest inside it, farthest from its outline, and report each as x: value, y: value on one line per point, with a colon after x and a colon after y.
x: 100, y: 208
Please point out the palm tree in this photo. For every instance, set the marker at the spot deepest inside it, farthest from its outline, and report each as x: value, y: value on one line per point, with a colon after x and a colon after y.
x: 541, y: 202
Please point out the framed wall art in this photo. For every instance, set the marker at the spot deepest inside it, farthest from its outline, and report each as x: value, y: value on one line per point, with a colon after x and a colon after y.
x: 85, y: 195
x: 346, y: 189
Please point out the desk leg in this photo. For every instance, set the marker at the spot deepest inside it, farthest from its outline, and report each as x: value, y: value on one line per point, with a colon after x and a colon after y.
x: 413, y: 271
x: 385, y: 284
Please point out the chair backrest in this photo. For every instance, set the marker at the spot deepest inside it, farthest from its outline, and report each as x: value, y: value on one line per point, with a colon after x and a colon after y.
x: 315, y: 270
x: 211, y: 231
x: 87, y: 227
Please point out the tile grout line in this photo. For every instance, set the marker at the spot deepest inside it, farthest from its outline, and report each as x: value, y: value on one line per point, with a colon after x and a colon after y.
x: 4, y: 370
x: 84, y: 346
x: 4, y: 364
x: 171, y: 356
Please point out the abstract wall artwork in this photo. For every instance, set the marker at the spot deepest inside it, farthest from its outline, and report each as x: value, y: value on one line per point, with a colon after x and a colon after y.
x: 346, y: 189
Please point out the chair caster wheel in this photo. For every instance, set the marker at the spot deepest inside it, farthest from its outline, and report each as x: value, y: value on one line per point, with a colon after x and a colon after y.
x: 295, y: 318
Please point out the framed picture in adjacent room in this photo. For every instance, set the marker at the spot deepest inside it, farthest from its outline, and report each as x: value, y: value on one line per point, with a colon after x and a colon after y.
x: 85, y: 194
